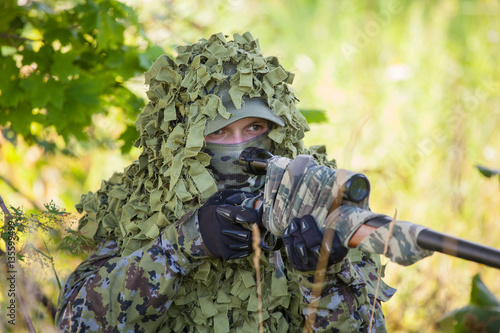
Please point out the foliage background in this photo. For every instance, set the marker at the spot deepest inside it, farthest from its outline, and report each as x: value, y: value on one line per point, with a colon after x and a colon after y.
x: 410, y: 90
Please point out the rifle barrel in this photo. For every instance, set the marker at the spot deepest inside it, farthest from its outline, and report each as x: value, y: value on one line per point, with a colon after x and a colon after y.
x: 255, y: 160
x: 436, y: 241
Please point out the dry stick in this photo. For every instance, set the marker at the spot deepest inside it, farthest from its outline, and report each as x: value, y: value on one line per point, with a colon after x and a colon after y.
x: 319, y: 277
x: 386, y: 246
x: 29, y: 324
x: 256, y: 263
x: 324, y: 255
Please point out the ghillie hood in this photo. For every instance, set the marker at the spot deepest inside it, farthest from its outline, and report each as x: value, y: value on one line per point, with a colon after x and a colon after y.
x: 170, y: 176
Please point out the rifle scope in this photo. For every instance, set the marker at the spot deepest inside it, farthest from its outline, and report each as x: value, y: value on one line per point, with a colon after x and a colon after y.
x: 254, y: 160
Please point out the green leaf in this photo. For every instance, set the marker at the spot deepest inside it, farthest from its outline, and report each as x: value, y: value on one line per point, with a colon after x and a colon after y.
x: 40, y: 93
x: 314, y: 116
x: 62, y: 65
x: 147, y: 58
x: 5, y: 236
x: 57, y: 91
x: 482, y: 315
x: 59, y: 28
x: 9, y: 11
x: 487, y: 172
x: 32, y: 85
x: 129, y: 137
x: 9, y: 84
x: 87, y: 16
x: 115, y: 58
x: 12, y: 93
x: 471, y: 319
x: 79, y: 70
x: 81, y: 100
x: 20, y: 118
x: 85, y: 90
x: 125, y: 11
x: 109, y: 30
x: 481, y: 295
x: 42, y: 58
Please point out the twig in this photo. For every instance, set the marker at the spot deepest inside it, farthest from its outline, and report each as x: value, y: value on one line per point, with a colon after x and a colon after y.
x: 52, y: 264
x: 319, y: 277
x: 386, y: 246
x: 6, y: 212
x: 31, y: 200
x: 256, y: 263
x: 324, y: 255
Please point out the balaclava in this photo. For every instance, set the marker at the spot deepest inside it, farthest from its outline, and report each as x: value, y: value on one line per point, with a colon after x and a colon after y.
x: 224, y: 158
x: 226, y: 168
x: 170, y: 177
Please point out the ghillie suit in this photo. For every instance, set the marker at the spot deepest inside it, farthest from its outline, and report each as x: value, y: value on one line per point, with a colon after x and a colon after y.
x: 170, y: 177
x: 151, y: 271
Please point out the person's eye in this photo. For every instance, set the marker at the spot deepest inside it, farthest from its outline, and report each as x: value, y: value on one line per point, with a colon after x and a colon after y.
x: 258, y: 127
x: 218, y: 132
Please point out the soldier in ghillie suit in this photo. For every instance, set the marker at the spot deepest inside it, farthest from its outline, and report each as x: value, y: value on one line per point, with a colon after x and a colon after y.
x: 174, y: 250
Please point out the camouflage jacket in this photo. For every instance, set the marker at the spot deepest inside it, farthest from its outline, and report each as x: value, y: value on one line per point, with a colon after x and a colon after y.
x: 172, y: 285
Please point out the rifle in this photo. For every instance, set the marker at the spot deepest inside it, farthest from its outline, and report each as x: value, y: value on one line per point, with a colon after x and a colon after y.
x: 357, y: 188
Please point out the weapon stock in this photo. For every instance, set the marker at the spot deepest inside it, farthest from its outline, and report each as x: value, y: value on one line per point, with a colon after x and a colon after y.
x: 255, y: 160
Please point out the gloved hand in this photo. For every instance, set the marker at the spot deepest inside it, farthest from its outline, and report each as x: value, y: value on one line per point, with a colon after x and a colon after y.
x: 220, y: 221
x: 302, y: 240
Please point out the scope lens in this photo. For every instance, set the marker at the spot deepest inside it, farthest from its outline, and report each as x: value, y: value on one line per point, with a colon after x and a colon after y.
x: 358, y: 188
x: 254, y: 160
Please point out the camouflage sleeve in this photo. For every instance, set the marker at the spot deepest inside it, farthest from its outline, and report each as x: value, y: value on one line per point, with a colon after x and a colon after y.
x: 113, y: 293
x: 402, y: 245
x: 295, y: 188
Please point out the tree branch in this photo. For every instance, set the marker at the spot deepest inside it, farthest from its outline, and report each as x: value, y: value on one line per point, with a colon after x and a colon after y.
x: 32, y: 201
x: 6, y: 35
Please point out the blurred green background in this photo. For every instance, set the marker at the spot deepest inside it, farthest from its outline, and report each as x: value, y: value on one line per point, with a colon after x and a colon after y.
x: 410, y: 91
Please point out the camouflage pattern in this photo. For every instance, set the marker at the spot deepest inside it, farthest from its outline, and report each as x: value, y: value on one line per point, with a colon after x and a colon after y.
x: 226, y: 169
x: 402, y: 246
x: 295, y: 188
x: 298, y: 187
x: 146, y: 291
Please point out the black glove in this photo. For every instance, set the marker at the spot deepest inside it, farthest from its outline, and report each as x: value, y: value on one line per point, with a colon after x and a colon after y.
x: 302, y: 240
x: 221, y: 219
